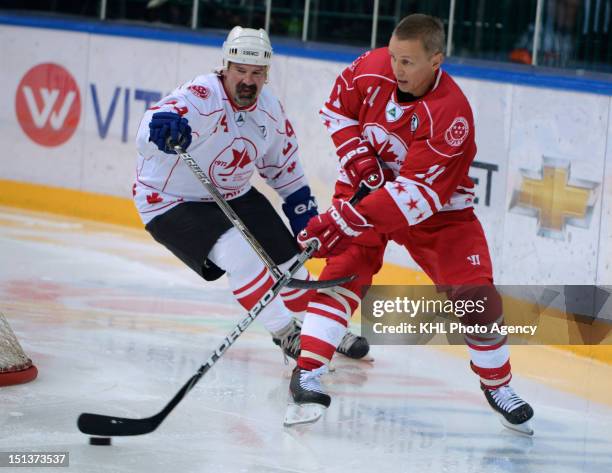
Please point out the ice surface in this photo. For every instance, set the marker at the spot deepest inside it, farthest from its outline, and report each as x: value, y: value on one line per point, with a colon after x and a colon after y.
x: 116, y: 326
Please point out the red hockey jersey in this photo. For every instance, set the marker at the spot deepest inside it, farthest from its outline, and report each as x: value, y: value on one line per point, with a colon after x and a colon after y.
x: 425, y: 146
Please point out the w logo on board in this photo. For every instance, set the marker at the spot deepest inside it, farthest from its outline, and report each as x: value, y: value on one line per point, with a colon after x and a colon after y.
x: 48, y: 104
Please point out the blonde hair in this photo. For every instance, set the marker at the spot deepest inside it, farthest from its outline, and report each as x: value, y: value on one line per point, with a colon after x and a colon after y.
x: 426, y: 28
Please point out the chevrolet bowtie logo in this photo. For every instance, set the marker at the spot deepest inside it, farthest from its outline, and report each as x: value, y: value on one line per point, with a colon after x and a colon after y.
x: 554, y: 198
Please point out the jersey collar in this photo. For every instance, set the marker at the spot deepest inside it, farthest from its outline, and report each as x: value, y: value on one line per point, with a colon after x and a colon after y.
x: 437, y: 81
x: 395, y: 98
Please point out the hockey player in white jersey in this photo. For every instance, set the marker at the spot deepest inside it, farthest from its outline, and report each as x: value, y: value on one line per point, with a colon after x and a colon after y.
x: 232, y: 126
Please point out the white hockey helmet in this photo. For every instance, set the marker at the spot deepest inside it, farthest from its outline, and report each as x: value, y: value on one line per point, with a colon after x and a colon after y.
x: 247, y: 46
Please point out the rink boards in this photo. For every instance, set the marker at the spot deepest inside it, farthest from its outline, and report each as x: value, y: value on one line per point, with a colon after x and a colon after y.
x: 543, y: 171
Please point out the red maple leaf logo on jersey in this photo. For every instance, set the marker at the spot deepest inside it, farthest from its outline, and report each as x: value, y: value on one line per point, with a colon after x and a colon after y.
x: 154, y: 198
x: 239, y: 161
x: 384, y: 150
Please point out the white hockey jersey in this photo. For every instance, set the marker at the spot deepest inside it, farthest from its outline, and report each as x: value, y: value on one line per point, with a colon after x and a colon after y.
x: 228, y: 142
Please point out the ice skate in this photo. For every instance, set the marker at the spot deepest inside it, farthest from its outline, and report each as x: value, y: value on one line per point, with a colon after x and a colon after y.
x: 513, y: 411
x: 288, y: 339
x: 309, y: 398
x: 355, y: 347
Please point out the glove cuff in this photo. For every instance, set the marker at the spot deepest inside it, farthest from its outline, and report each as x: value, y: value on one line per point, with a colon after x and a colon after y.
x: 300, y: 196
x: 353, y: 217
x: 349, y: 221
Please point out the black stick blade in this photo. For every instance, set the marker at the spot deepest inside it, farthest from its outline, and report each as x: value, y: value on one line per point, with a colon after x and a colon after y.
x: 108, y: 426
x: 301, y: 284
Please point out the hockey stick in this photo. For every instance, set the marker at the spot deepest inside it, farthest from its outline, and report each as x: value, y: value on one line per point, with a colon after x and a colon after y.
x: 109, y: 426
x: 277, y: 273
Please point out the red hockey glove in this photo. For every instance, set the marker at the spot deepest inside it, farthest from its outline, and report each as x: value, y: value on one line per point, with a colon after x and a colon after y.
x: 333, y: 229
x: 362, y: 166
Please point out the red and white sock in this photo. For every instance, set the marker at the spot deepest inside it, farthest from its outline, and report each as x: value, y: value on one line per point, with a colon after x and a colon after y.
x: 249, y: 279
x: 296, y: 300
x: 491, y: 363
x: 325, y: 324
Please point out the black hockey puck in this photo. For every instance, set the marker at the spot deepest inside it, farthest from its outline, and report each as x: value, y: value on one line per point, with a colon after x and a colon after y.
x: 99, y: 441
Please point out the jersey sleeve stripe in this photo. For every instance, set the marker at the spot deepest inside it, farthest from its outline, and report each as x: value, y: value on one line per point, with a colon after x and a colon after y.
x: 335, y: 121
x: 459, y: 201
x: 341, y: 145
x: 279, y: 166
x: 409, y: 200
x: 388, y: 79
x: 431, y: 132
x: 289, y: 183
x: 441, y: 153
x: 432, y: 194
x: 328, y: 112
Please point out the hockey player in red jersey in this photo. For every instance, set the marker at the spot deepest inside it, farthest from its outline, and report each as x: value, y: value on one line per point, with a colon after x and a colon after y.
x: 403, y: 128
x: 232, y: 127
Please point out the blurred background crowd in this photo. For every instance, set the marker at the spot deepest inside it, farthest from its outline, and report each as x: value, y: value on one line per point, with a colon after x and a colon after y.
x: 571, y: 34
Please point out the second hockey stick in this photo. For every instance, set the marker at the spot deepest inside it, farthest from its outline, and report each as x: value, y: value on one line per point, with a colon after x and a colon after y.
x: 277, y: 273
x: 110, y: 426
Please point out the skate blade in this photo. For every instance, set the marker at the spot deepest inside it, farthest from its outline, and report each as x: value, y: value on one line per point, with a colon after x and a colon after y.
x: 525, y: 428
x: 299, y: 414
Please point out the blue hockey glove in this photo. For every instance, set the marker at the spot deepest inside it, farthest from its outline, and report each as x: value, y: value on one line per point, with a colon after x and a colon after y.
x: 300, y: 207
x: 166, y: 125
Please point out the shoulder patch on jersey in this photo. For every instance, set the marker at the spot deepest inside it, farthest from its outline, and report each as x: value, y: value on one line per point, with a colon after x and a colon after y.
x: 199, y: 91
x: 457, y: 132
x: 393, y: 111
x: 414, y: 122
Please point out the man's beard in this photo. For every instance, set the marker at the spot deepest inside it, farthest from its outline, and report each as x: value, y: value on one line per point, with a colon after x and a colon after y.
x: 246, y: 94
